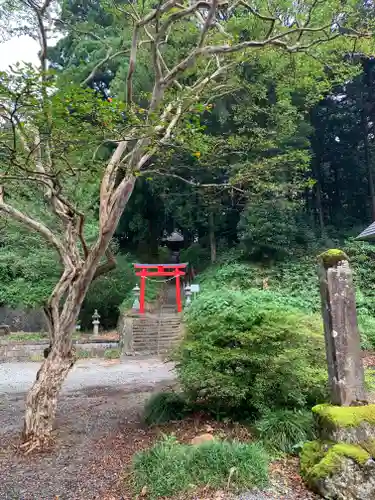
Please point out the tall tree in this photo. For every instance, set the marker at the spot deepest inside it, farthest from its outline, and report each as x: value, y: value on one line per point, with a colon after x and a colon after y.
x: 49, y: 128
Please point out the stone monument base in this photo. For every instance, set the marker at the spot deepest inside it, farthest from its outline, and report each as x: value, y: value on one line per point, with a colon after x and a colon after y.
x: 341, y: 464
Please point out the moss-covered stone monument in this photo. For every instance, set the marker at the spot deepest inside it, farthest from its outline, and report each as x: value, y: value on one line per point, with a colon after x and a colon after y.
x: 340, y: 465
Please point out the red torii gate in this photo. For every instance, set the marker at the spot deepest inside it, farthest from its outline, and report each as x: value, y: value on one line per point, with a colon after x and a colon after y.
x: 152, y: 270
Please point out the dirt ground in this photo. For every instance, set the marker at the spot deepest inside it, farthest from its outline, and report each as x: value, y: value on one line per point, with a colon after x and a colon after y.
x: 99, y: 430
x: 85, y: 463
x: 100, y: 402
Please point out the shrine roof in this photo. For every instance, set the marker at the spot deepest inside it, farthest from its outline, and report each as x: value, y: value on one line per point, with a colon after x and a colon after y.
x: 368, y: 234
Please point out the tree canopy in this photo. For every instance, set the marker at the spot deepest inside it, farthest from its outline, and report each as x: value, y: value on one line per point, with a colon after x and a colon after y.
x: 189, y: 114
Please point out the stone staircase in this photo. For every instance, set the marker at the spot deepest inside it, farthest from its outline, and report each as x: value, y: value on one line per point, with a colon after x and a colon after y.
x: 153, y: 334
x: 158, y: 332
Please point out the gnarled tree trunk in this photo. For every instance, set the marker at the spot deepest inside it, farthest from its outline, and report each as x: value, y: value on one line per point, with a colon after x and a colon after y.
x: 62, y: 312
x: 41, y: 401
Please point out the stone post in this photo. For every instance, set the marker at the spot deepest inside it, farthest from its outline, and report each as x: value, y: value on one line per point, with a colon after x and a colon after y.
x: 126, y: 334
x: 345, y: 367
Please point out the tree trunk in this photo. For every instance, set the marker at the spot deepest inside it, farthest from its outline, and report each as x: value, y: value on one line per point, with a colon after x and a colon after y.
x: 368, y: 161
x: 319, y: 206
x: 211, y: 229
x: 41, y: 401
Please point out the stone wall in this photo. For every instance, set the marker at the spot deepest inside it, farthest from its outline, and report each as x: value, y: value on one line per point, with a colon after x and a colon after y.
x: 23, y: 320
x: 33, y: 351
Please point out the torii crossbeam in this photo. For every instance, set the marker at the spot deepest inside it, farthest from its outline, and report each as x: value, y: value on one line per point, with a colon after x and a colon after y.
x: 152, y: 270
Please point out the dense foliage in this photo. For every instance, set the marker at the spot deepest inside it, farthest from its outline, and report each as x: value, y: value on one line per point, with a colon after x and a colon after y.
x: 290, y: 135
x: 245, y: 353
x: 295, y: 279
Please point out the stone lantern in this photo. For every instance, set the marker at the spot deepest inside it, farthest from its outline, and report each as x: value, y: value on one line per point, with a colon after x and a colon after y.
x: 136, y: 291
x: 96, y: 322
x: 188, y: 293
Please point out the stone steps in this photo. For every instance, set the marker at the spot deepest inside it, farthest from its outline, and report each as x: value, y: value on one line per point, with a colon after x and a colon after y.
x: 156, y: 333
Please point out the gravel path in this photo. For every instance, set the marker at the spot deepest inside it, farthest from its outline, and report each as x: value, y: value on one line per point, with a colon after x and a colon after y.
x: 99, y: 399
x: 18, y: 377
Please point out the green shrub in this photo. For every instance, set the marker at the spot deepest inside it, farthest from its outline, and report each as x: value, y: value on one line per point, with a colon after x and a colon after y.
x: 297, y: 280
x: 169, y: 467
x: 164, y: 407
x: 285, y: 430
x: 197, y: 256
x: 366, y: 324
x: 245, y: 353
x: 27, y: 277
x: 370, y: 379
x: 362, y: 260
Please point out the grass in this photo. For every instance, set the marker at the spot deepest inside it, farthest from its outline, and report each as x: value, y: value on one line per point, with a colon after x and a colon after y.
x: 36, y: 358
x: 169, y: 467
x: 285, y: 430
x: 112, y: 353
x: 84, y: 354
x: 37, y: 336
x: 32, y: 337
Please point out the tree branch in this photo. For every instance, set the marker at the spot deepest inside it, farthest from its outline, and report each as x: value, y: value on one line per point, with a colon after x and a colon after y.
x: 107, y: 266
x: 32, y: 224
x: 194, y: 183
x: 132, y: 62
x: 109, y: 57
x: 208, y: 21
x: 253, y: 11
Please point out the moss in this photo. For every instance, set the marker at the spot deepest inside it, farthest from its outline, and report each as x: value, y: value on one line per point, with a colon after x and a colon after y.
x: 320, y: 460
x: 345, y: 416
x: 370, y: 379
x: 369, y: 446
x: 311, y: 454
x: 332, y: 257
x: 331, y: 462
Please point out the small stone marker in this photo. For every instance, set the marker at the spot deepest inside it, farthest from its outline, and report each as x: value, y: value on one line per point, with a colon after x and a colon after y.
x: 343, y: 348
x: 4, y: 330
